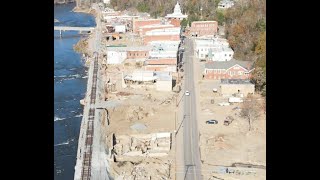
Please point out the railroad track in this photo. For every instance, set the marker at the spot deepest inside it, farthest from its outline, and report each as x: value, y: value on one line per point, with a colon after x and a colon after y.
x: 87, y: 157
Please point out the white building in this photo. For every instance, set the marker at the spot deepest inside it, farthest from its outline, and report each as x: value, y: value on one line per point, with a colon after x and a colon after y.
x: 216, y: 49
x: 177, y: 14
x: 164, y: 81
x: 116, y: 55
x: 224, y: 4
x: 120, y: 28
x: 164, y: 31
x: 106, y: 1
x: 142, y: 76
x: 164, y: 49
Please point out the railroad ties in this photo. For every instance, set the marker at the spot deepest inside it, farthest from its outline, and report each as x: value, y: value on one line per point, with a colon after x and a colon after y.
x: 86, y: 166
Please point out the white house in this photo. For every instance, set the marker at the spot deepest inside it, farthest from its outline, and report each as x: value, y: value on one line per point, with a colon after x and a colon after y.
x: 116, y: 55
x: 224, y: 4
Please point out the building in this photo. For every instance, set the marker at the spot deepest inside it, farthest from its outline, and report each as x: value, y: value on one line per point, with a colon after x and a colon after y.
x: 164, y: 49
x: 116, y: 55
x: 141, y: 76
x: 225, y: 4
x: 164, y: 81
x: 161, y: 64
x: 143, y: 29
x: 138, y: 53
x: 149, y: 38
x: 143, y: 22
x: 165, y: 34
x: 177, y: 14
x: 232, y: 69
x: 228, y: 87
x: 214, y: 49
x: 120, y: 28
x: 203, y: 28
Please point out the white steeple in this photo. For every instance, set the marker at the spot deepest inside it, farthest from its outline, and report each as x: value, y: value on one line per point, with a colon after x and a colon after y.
x: 177, y: 9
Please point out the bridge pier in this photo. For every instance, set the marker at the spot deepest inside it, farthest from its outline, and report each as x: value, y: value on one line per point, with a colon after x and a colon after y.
x: 60, y: 33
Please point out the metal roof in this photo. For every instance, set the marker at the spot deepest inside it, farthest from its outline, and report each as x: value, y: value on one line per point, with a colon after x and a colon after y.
x: 235, y: 81
x: 228, y: 64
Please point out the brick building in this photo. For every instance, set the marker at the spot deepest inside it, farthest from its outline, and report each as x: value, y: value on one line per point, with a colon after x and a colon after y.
x: 203, y: 28
x: 149, y: 38
x: 161, y: 64
x: 138, y: 52
x: 143, y: 22
x: 232, y: 69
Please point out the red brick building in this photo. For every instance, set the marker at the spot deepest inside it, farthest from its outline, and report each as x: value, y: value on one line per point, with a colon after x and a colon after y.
x: 203, y: 28
x: 142, y: 30
x: 175, y: 22
x: 162, y: 64
x: 232, y: 69
x: 147, y: 39
x: 144, y: 22
x: 134, y: 54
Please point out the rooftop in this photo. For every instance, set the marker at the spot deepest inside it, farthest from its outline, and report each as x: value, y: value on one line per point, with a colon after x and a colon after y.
x: 235, y: 81
x: 130, y: 48
x: 227, y: 64
x: 163, y: 76
x: 161, y: 61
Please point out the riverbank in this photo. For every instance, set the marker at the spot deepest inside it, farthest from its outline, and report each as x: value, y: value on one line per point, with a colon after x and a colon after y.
x: 84, y: 46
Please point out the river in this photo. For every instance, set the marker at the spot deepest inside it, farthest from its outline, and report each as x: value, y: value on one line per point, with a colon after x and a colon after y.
x: 70, y: 79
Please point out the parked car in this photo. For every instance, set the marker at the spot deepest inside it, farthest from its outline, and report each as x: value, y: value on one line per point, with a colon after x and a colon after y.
x: 212, y: 121
x: 187, y: 93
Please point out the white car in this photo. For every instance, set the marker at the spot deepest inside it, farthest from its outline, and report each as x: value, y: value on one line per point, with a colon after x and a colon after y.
x: 187, y: 93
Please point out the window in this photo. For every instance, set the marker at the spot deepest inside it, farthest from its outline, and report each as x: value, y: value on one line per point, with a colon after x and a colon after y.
x: 225, y: 54
x: 246, y: 73
x: 145, y: 54
x: 240, y: 72
x: 129, y: 54
x: 229, y: 55
x: 215, y: 71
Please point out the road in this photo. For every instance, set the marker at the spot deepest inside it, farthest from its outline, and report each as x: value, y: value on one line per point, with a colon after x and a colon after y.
x: 192, y: 161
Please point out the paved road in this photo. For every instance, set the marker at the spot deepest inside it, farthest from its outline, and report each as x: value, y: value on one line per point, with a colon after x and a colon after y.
x: 190, y: 128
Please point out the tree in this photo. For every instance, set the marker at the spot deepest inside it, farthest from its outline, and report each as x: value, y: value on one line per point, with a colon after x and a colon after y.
x: 143, y: 7
x: 220, y: 17
x: 184, y: 22
x: 259, y: 78
x: 250, y: 110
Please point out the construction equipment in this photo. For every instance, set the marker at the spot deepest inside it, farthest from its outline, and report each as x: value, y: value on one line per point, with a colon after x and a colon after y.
x: 228, y: 120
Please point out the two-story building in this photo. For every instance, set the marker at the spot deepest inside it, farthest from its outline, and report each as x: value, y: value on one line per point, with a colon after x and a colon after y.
x: 233, y: 69
x: 203, y: 28
x: 214, y: 49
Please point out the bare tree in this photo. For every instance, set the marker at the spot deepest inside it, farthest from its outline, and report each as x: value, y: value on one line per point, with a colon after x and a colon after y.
x: 250, y: 110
